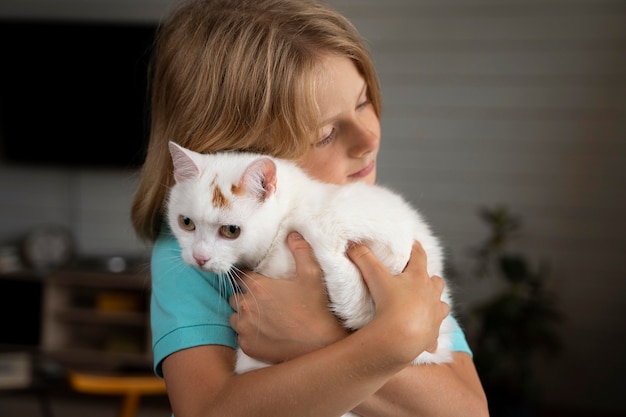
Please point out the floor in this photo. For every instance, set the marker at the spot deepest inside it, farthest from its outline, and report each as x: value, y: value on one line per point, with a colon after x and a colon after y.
x: 36, y: 375
x: 64, y: 404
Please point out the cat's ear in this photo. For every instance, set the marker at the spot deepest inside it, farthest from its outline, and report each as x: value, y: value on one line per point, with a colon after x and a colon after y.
x: 185, y: 165
x: 259, y: 178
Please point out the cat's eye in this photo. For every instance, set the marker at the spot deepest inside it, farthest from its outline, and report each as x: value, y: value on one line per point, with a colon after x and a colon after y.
x: 186, y: 223
x: 230, y: 231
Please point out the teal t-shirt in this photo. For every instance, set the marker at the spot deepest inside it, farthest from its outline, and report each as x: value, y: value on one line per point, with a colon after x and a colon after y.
x: 189, y: 307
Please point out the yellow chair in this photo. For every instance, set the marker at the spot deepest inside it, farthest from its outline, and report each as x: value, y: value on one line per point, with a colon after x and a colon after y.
x: 130, y: 387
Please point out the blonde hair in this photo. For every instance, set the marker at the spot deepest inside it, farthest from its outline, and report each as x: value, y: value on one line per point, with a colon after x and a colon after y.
x: 239, y: 75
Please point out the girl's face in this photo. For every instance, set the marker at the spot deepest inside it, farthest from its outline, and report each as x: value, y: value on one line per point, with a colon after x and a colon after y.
x: 349, y: 136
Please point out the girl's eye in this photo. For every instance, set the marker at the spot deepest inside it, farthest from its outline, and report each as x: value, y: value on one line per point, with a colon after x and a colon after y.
x: 230, y: 231
x: 363, y: 104
x: 326, y: 139
x: 186, y: 223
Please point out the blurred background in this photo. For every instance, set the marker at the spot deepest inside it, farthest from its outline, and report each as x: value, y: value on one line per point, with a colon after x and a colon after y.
x: 503, y: 122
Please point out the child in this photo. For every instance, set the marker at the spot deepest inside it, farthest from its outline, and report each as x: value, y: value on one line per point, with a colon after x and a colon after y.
x: 293, y: 79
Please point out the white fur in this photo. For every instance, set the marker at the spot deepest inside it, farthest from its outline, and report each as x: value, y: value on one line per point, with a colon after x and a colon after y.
x: 328, y: 216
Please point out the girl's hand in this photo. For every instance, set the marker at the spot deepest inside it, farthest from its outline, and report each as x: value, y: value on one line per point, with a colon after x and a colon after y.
x: 280, y: 319
x: 409, y: 304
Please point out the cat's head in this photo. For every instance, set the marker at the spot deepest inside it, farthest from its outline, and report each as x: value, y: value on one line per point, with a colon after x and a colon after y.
x: 222, y: 208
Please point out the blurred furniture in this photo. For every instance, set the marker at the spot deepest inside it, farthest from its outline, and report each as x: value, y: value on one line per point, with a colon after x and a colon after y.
x: 89, y: 317
x: 130, y: 387
x: 25, y: 370
x: 83, y: 315
x: 96, y: 319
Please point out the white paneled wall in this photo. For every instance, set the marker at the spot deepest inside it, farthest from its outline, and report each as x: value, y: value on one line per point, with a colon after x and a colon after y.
x: 523, y: 104
x: 94, y: 205
x: 520, y: 102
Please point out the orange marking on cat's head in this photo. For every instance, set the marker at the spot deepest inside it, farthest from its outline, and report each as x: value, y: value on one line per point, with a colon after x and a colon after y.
x: 219, y: 199
x: 238, y: 189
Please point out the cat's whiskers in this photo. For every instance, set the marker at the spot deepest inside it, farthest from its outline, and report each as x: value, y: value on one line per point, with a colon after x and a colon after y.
x: 224, y: 282
x: 238, y: 286
x: 179, y: 263
x: 229, y: 281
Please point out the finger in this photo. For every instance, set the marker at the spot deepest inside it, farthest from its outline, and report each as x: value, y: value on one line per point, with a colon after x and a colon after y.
x: 306, y: 263
x: 233, y: 320
x: 365, y: 260
x: 440, y: 285
x: 247, y: 280
x: 233, y: 302
x: 433, y: 348
x: 417, y: 259
x: 438, y: 282
x: 445, y: 309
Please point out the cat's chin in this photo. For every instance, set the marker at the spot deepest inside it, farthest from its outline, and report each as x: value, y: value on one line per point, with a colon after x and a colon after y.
x: 218, y: 270
x: 212, y: 268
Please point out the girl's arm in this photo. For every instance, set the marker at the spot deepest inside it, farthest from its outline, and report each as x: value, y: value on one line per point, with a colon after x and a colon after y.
x: 290, y: 318
x: 327, y: 381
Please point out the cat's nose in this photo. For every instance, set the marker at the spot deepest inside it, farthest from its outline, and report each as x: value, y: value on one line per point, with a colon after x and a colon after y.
x: 200, y: 260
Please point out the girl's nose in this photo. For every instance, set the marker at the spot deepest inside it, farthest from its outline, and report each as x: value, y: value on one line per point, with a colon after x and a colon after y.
x: 364, y: 138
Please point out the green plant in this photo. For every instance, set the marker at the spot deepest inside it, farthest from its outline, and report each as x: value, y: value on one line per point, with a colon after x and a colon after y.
x: 516, y: 324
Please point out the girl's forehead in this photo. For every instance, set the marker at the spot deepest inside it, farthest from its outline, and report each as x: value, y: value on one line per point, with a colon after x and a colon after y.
x: 338, y: 86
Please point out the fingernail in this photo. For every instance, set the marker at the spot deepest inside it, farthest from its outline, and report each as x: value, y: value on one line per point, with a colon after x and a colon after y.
x: 295, y: 236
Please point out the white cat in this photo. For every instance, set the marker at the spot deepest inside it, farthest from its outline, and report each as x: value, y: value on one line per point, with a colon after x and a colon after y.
x: 234, y: 210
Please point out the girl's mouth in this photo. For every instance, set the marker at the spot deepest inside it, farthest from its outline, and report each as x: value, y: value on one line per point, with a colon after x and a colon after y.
x: 365, y: 171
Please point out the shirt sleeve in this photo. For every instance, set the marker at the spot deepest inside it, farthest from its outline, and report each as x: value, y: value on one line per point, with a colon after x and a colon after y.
x: 188, y: 307
x: 459, y: 342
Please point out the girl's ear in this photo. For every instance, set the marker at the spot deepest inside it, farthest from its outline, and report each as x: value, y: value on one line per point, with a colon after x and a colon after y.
x: 185, y: 164
x: 259, y: 179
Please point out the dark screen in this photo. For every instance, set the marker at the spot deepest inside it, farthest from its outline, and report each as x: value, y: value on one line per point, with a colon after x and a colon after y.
x: 20, y: 311
x: 73, y: 94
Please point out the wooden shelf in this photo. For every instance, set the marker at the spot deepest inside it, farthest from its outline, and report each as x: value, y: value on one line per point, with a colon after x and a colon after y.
x: 97, y: 319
